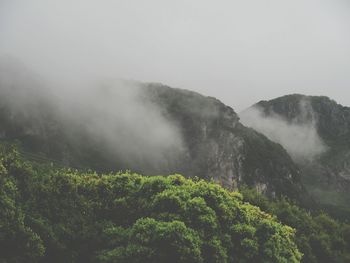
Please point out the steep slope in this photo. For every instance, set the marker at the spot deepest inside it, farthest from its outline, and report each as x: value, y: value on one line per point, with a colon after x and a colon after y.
x: 327, y: 173
x: 215, y: 145
x: 220, y: 147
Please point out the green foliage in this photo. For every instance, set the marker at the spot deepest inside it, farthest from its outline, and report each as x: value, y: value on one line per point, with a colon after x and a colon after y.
x: 149, y: 240
x: 52, y: 215
x: 17, y: 240
x: 319, y: 237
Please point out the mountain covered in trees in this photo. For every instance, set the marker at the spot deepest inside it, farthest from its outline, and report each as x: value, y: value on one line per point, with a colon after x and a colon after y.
x: 326, y: 175
x: 209, y: 142
x: 69, y: 192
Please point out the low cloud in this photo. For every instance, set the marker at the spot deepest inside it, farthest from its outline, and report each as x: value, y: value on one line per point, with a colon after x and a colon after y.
x: 298, y: 136
x: 114, y: 113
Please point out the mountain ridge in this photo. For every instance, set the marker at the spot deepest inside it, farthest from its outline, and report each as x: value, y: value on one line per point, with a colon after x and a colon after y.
x: 216, y: 145
x: 327, y: 175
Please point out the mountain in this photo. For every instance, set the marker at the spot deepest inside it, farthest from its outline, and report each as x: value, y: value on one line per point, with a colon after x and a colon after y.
x: 214, y: 144
x: 220, y: 147
x: 65, y: 215
x: 323, y: 155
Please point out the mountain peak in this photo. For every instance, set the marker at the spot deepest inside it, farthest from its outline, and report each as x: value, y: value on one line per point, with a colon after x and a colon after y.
x: 315, y: 130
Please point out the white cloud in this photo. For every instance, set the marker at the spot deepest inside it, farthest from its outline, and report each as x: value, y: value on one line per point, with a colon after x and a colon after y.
x: 300, y: 138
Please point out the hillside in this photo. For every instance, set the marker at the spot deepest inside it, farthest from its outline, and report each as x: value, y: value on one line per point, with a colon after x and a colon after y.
x: 65, y: 216
x: 326, y: 174
x: 220, y: 147
x: 174, y: 131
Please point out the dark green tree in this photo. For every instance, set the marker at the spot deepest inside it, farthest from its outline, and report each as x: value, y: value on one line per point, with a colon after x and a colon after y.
x: 51, y: 215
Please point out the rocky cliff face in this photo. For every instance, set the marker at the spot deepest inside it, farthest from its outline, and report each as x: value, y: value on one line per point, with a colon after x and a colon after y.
x: 220, y: 147
x: 215, y: 144
x: 327, y: 174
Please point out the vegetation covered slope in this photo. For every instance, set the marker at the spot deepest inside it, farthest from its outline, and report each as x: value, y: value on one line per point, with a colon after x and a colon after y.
x: 326, y: 177
x: 220, y: 147
x: 215, y: 144
x: 318, y: 236
x: 50, y: 215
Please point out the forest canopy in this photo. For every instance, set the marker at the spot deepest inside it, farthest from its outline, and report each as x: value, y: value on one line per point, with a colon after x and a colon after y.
x: 50, y: 214
x: 62, y: 215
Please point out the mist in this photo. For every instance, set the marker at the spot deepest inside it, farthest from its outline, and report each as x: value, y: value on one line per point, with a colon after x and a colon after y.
x: 117, y: 114
x: 75, y: 53
x: 299, y: 136
x: 237, y: 51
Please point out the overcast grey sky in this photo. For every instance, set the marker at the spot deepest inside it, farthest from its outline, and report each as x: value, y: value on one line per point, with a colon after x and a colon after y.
x: 238, y: 51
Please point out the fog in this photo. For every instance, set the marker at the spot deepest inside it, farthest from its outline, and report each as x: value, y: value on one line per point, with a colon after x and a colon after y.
x: 116, y: 114
x: 299, y: 136
x: 238, y: 51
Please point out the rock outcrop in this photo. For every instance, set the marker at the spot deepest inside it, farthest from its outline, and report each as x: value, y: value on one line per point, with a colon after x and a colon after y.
x: 220, y: 147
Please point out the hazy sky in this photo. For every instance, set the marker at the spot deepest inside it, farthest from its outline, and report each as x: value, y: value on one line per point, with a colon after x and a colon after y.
x: 238, y: 51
